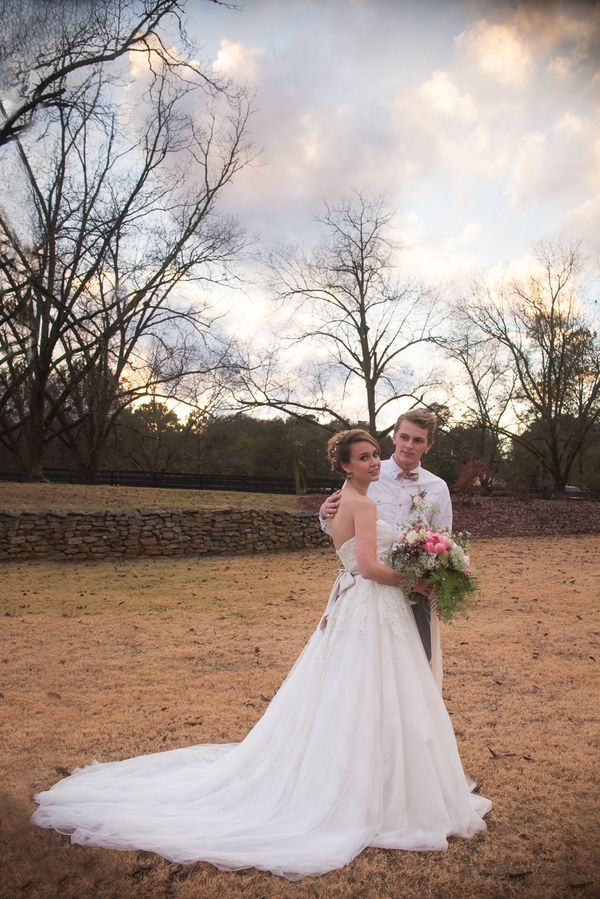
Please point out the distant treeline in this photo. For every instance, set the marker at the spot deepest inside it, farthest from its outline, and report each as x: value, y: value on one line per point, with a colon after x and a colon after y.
x: 152, y: 439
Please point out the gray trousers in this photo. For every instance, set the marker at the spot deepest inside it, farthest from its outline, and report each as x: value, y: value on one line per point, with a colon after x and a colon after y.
x: 422, y: 613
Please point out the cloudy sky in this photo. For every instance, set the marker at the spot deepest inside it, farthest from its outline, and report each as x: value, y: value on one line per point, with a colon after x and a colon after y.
x: 480, y: 120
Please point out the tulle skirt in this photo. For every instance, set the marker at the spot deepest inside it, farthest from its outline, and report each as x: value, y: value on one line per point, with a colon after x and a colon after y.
x: 356, y: 749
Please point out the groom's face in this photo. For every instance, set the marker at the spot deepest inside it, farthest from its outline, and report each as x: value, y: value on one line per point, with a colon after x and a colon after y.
x: 410, y: 442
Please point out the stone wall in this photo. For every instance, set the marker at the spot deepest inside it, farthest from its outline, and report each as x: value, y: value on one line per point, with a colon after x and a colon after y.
x: 99, y: 535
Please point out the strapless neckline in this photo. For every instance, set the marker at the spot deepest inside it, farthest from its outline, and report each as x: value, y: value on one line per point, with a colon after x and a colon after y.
x: 380, y: 523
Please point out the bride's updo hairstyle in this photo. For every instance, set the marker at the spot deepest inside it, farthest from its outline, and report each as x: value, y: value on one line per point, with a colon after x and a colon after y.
x: 339, y: 447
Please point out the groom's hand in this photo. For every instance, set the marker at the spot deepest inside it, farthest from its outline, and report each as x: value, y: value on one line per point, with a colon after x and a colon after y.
x: 330, y: 506
x: 424, y: 587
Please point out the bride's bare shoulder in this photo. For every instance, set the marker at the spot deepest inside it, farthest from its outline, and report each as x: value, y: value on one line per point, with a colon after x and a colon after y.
x: 352, y: 500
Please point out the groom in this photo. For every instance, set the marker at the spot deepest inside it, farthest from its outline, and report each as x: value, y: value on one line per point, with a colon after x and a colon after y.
x: 401, y: 477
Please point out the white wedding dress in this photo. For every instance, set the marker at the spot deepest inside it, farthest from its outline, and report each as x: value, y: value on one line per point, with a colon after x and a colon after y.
x: 356, y: 749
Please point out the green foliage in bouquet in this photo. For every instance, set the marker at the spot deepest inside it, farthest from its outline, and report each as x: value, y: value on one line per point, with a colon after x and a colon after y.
x: 451, y: 591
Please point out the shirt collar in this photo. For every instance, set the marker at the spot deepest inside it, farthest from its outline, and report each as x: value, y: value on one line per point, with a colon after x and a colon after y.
x: 396, y: 468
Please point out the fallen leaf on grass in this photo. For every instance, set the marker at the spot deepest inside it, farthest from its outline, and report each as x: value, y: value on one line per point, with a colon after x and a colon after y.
x: 501, y: 755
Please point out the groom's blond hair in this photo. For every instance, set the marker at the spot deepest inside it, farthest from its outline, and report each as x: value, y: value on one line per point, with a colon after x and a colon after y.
x: 422, y: 418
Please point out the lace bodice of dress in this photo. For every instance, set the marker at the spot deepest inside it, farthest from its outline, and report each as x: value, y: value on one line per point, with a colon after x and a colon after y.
x: 385, y: 538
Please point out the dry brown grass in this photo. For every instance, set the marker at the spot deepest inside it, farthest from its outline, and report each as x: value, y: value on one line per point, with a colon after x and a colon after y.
x: 96, y: 498
x: 120, y: 658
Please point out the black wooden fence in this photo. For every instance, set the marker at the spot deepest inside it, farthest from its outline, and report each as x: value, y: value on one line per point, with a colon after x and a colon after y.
x: 182, y: 481
x: 250, y: 483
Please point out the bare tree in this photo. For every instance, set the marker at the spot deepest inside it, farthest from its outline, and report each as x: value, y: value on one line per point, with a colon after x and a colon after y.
x: 487, y: 387
x: 354, y: 316
x: 43, y: 43
x: 191, y: 374
x: 110, y: 243
x: 541, y: 326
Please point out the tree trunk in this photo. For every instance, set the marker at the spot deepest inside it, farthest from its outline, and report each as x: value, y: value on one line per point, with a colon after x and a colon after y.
x: 34, y: 466
x: 371, y: 407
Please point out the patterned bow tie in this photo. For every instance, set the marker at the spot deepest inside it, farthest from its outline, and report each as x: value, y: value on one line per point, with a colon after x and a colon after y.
x: 408, y: 475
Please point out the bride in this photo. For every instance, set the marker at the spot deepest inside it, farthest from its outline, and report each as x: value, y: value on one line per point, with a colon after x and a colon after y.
x: 356, y: 749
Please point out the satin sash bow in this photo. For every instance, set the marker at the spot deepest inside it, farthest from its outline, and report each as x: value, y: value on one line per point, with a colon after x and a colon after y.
x: 344, y: 580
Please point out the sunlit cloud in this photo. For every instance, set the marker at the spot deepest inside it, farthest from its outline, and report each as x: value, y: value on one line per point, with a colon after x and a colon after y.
x: 238, y: 62
x: 443, y: 97
x: 569, y: 124
x: 561, y: 66
x: 500, y: 52
x: 481, y: 125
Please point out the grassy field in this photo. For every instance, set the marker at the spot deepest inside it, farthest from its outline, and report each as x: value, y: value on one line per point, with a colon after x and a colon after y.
x: 119, y: 658
x: 82, y: 498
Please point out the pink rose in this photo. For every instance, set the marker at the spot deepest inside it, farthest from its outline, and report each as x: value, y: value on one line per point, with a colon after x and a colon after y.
x: 439, y: 549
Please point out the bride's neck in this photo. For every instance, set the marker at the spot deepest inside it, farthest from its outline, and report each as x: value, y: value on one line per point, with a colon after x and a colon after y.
x: 358, y: 487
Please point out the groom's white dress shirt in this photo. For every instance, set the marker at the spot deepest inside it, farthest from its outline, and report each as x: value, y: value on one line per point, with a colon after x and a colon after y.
x: 393, y: 496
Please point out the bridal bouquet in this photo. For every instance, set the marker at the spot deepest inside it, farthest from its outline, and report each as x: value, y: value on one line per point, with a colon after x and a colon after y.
x: 440, y: 556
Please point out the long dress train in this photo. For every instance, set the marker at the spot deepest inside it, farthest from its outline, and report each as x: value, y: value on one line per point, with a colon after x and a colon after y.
x: 356, y: 749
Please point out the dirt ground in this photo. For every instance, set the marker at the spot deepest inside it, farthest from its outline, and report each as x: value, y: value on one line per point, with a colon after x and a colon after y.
x: 119, y: 658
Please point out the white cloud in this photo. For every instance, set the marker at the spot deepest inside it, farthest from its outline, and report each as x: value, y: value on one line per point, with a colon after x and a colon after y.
x: 582, y: 223
x: 559, y: 166
x: 443, y: 128
x: 486, y: 115
x: 442, y: 96
x: 509, y: 45
x: 529, y: 162
x: 519, y: 268
x: 439, y: 260
x: 499, y: 51
x: 569, y: 124
x: 561, y: 66
x: 236, y: 61
x: 311, y: 142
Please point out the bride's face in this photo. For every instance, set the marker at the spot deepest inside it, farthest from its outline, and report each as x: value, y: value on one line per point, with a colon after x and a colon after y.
x: 365, y: 462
